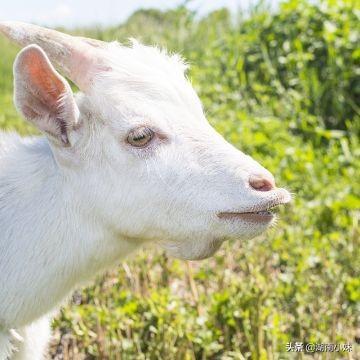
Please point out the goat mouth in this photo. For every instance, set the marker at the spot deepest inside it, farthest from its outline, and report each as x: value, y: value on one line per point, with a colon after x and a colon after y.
x: 255, y: 216
x: 263, y: 214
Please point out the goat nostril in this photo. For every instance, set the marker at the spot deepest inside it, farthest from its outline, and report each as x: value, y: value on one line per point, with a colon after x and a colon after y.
x: 260, y: 183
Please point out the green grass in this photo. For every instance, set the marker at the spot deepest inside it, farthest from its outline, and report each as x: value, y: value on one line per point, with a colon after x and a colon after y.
x: 284, y: 87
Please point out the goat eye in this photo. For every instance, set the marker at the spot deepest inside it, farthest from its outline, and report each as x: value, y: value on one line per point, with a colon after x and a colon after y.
x: 140, y: 137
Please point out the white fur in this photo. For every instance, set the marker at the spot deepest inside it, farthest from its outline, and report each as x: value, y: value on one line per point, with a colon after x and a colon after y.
x: 69, y: 212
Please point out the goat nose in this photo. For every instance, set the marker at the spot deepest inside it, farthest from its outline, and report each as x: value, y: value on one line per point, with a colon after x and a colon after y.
x: 261, y: 182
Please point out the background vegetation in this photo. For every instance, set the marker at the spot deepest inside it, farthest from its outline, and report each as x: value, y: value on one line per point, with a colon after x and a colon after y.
x: 284, y: 87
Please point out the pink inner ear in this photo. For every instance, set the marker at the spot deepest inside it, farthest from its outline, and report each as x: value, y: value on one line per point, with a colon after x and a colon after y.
x: 43, y: 78
x: 42, y: 95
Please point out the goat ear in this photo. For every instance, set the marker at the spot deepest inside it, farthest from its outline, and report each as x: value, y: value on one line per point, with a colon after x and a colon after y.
x: 43, y: 96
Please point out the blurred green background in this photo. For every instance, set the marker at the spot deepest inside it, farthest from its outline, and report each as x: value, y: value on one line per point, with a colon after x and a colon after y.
x: 283, y: 86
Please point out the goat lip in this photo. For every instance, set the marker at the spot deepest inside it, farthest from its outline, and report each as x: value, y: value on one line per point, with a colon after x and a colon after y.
x: 257, y: 217
x: 258, y: 214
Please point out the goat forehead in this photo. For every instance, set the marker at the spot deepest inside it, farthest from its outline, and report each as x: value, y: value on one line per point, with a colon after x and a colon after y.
x: 141, y: 60
x: 148, y: 98
x: 146, y: 70
x: 145, y: 78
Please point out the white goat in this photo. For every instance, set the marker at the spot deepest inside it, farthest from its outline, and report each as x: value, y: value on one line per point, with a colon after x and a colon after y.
x: 128, y: 161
